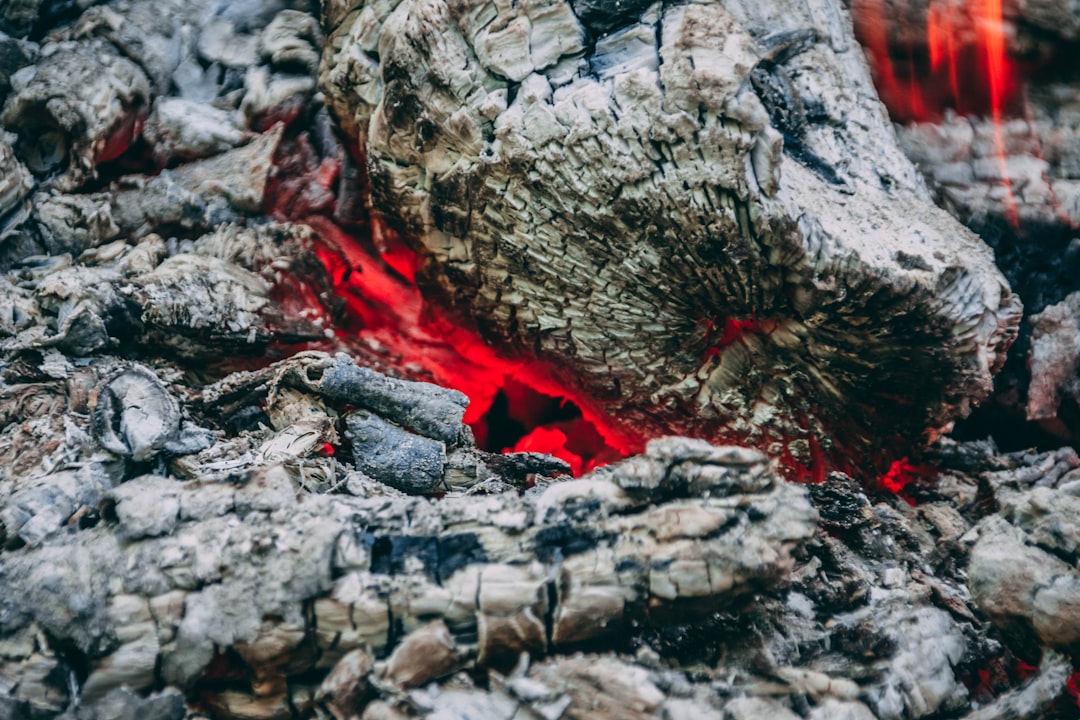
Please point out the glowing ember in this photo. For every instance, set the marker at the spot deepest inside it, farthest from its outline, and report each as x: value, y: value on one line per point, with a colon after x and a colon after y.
x: 903, y: 476
x: 373, y: 276
x: 551, y: 441
x: 516, y: 404
x: 1072, y: 687
x: 721, y: 332
x: 1000, y: 77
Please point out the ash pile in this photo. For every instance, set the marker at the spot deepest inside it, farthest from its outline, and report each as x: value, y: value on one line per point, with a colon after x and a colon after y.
x: 207, y: 511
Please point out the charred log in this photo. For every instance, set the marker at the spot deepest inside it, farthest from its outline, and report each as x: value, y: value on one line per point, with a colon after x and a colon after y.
x: 691, y: 219
x: 313, y: 538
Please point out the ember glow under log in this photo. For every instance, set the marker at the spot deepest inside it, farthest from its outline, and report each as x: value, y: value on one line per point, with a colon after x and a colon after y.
x: 596, y: 192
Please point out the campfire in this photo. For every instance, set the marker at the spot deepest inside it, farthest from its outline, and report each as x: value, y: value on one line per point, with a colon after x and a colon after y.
x: 559, y: 359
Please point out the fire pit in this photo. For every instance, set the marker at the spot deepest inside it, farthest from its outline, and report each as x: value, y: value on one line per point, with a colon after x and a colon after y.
x: 555, y: 359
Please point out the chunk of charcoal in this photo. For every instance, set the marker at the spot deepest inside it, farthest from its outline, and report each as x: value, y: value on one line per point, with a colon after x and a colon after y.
x: 428, y: 409
x: 402, y: 460
x: 516, y: 467
x: 628, y: 210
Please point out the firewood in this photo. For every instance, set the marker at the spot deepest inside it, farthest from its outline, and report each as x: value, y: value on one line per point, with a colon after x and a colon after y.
x: 695, y: 216
x: 686, y: 529
x: 200, y: 520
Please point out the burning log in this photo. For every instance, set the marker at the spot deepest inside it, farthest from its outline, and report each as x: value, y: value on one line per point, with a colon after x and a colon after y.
x: 278, y: 581
x: 685, y: 213
x: 637, y: 540
x: 202, y: 516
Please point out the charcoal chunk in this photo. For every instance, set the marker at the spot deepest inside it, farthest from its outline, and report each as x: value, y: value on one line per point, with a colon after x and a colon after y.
x: 427, y: 409
x: 411, y: 463
x: 135, y: 414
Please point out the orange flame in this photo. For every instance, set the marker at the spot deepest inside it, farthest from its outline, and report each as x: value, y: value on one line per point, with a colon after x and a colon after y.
x: 962, y: 63
x: 999, y: 73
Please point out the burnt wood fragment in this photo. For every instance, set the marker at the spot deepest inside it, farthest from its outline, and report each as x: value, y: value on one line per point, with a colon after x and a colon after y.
x: 76, y: 107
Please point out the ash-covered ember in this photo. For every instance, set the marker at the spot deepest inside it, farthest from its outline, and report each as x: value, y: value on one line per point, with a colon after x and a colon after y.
x: 610, y: 206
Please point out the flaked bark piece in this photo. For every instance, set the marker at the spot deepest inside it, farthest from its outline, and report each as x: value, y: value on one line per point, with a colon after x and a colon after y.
x: 185, y: 129
x: 1024, y: 567
x: 197, y: 196
x: 601, y: 687
x: 695, y: 214
x: 1024, y: 589
x: 253, y: 163
x: 292, y: 40
x: 157, y: 34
